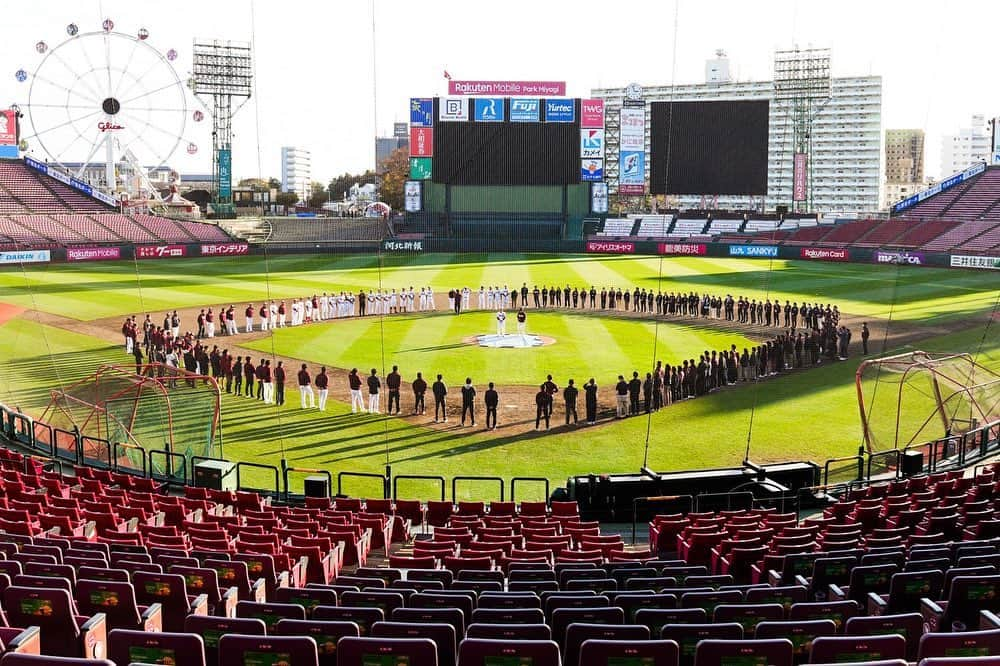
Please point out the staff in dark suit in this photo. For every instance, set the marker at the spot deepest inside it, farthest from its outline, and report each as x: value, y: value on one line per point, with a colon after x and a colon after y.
x: 543, y: 406
x: 590, y: 389
x: 468, y: 401
x: 569, y: 395
x: 439, y: 391
x: 492, y: 400
x: 419, y: 388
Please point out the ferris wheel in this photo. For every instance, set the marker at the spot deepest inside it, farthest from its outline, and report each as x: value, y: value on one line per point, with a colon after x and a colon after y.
x: 105, y: 97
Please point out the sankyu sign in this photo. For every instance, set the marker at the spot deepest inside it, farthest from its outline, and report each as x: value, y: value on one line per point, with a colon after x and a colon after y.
x: 402, y: 246
x: 912, y: 258
x: 160, y: 251
x: 682, y: 248
x: 488, y: 109
x: 225, y: 249
x: 25, y: 257
x: 753, y: 250
x: 507, y: 88
x: 610, y: 247
x: 824, y: 254
x: 453, y: 109
x: 560, y: 111
x: 592, y: 143
x: 93, y: 253
x: 524, y: 110
x: 966, y: 261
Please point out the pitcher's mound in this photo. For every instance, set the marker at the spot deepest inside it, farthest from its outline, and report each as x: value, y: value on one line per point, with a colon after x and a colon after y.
x: 509, y: 341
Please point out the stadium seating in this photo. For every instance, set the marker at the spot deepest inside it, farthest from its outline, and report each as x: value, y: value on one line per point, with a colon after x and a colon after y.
x: 654, y: 226
x: 856, y: 582
x: 959, y: 235
x: 23, y: 190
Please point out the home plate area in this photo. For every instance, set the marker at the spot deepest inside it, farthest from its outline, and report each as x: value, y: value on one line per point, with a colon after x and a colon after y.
x: 513, y: 341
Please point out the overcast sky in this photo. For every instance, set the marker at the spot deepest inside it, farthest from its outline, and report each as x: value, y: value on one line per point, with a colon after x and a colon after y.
x: 320, y: 87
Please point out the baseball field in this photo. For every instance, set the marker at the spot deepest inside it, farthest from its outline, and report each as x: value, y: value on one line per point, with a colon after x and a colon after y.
x: 60, y: 322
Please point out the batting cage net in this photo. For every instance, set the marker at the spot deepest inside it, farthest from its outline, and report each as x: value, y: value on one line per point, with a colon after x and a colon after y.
x: 153, y: 406
x: 918, y: 397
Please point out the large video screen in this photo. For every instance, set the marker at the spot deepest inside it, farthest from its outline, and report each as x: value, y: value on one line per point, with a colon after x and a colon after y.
x: 717, y: 147
x: 502, y: 152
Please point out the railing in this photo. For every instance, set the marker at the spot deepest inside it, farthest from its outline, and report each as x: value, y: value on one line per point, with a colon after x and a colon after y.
x: 383, y: 480
x: 456, y: 479
x: 129, y: 450
x: 859, y: 465
x: 687, y: 500
x: 745, y: 496
x: 416, y: 477
x: 285, y: 471
x: 170, y: 474
x: 275, y: 493
x: 530, y: 479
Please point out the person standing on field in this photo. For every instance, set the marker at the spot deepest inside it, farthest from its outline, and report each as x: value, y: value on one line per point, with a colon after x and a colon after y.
x: 279, y: 385
x: 392, y: 383
x: 374, y: 384
x: 468, y: 401
x: 522, y: 321
x: 590, y: 389
x: 354, y: 383
x: 492, y: 400
x: 249, y: 317
x: 501, y: 323
x: 569, y: 396
x: 419, y: 389
x: 440, y: 391
x: 543, y: 402
x: 322, y: 386
x: 305, y: 388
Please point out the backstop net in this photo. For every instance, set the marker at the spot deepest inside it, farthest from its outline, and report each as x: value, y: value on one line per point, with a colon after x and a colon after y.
x: 917, y: 397
x: 153, y: 406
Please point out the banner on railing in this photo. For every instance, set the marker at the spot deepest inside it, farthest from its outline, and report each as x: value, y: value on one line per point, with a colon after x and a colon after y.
x: 93, y: 253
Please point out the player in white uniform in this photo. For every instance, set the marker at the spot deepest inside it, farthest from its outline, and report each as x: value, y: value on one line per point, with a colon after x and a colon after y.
x: 501, y: 323
x: 505, y: 297
x: 393, y: 302
x: 466, y: 297
x: 481, y: 301
x: 430, y: 299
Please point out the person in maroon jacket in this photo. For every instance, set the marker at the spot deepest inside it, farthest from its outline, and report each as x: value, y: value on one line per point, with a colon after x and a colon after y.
x: 259, y: 374
x: 354, y: 382
x: 266, y: 380
x: 249, y: 315
x: 279, y: 385
x: 201, y: 325
x: 322, y: 385
x: 226, y: 365
x: 305, y: 388
x: 263, y: 314
x: 249, y: 373
x: 210, y: 323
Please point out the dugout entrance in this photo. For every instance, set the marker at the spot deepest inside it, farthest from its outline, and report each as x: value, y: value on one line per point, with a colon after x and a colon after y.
x: 152, y: 406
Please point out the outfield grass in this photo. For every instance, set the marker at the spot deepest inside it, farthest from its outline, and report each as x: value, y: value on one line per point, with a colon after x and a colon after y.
x: 586, y: 346
x: 809, y: 415
x: 103, y: 289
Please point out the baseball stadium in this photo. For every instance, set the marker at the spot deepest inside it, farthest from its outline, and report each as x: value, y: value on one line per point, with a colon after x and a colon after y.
x: 657, y: 374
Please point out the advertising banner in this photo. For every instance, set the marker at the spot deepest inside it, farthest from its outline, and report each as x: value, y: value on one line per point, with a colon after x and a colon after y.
x: 225, y: 172
x: 912, y: 258
x: 225, y: 249
x: 599, y: 198
x: 524, y: 110
x: 824, y: 253
x: 93, y: 253
x: 8, y: 128
x: 453, y: 109
x: 996, y: 142
x: 947, y: 183
x: 591, y: 170
x: 592, y: 113
x: 420, y: 168
x: 421, y: 142
x: 611, y: 247
x: 421, y: 112
x: 753, y: 250
x: 799, y: 177
x: 966, y: 261
x: 592, y: 143
x: 633, y: 128
x: 682, y: 248
x: 487, y: 109
x: 160, y: 251
x: 561, y: 110
x: 413, y: 196
x: 402, y: 246
x: 507, y: 88
x: 631, y: 171
x: 25, y: 257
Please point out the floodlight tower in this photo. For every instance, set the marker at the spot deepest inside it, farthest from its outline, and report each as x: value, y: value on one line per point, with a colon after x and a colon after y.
x: 222, y: 71
x: 802, y: 88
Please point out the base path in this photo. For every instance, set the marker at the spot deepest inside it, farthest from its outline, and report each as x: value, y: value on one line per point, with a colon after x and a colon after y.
x: 8, y: 312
